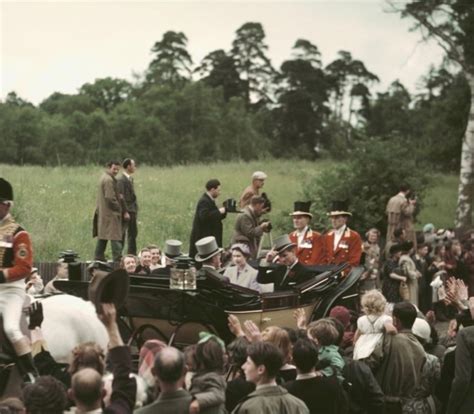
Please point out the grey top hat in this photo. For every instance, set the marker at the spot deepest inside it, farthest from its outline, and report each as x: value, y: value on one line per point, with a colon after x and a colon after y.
x: 173, y: 248
x: 282, y: 243
x: 206, y: 248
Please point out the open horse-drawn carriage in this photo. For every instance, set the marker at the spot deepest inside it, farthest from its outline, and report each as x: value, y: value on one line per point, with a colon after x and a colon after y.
x: 154, y: 310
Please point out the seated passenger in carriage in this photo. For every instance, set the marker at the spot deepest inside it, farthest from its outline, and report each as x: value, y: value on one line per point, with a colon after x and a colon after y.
x: 209, y: 255
x: 241, y: 273
x: 172, y: 251
x: 289, y: 272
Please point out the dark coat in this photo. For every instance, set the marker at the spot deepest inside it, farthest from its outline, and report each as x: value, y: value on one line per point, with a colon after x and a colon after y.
x: 126, y: 188
x: 282, y: 276
x: 207, y: 222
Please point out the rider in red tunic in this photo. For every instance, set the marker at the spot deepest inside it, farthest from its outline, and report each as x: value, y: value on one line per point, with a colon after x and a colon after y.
x: 16, y: 259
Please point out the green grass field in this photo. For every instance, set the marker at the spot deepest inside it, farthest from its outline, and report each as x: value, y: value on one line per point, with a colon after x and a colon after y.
x: 56, y: 205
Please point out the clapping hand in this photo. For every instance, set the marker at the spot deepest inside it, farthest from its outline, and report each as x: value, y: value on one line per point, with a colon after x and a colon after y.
x: 253, y: 334
x: 234, y: 326
x: 300, y: 317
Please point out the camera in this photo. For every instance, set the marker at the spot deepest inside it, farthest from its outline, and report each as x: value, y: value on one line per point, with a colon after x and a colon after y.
x: 267, y: 205
x: 230, y: 205
x: 73, y: 266
x: 269, y: 227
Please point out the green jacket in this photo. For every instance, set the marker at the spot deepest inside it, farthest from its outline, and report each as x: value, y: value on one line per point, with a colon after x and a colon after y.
x: 270, y: 400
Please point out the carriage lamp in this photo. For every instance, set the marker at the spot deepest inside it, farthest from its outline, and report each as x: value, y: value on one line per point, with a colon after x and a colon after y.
x: 183, y: 274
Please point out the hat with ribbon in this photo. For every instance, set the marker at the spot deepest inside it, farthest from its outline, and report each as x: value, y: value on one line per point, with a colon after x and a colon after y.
x: 301, y: 208
x: 206, y: 248
x: 173, y: 248
x: 339, y: 208
x: 282, y: 243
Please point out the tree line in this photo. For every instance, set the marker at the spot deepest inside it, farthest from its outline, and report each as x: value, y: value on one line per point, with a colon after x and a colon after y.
x: 235, y: 104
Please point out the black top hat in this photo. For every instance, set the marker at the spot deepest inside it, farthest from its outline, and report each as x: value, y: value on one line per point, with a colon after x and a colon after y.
x: 301, y: 208
x: 339, y: 208
x: 6, y: 191
x: 109, y: 288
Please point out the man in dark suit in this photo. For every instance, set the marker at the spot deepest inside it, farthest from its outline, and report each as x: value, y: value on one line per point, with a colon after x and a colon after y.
x: 208, y: 217
x: 129, y: 201
x: 289, y: 271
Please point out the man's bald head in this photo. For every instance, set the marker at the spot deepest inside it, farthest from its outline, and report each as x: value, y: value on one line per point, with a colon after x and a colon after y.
x: 169, y: 365
x: 86, y: 385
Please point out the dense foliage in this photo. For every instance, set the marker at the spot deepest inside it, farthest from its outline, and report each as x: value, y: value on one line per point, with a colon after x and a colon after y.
x: 235, y: 105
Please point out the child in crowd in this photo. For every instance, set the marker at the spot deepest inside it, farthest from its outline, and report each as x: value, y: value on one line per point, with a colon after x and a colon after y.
x: 371, y: 326
x: 325, y: 335
x: 208, y: 384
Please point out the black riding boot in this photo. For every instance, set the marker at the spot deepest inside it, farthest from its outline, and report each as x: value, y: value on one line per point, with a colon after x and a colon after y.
x: 27, y: 368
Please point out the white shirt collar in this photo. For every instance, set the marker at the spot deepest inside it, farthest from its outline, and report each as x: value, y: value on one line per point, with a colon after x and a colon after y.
x: 126, y: 175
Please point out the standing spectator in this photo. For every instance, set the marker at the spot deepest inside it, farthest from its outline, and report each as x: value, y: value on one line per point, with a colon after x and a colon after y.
x: 320, y: 394
x: 258, y: 180
x: 341, y: 244
x: 127, y: 190
x: 208, y: 217
x: 46, y: 395
x: 16, y: 259
x: 404, y: 357
x: 327, y: 337
x: 407, y: 221
x: 241, y: 273
x: 421, y: 260
x: 87, y: 389
x: 469, y: 262
x: 398, y: 238
x: 461, y: 398
x: 109, y: 214
x: 263, y: 363
x: 455, y: 265
x: 208, y: 384
x: 169, y: 372
x: 429, y: 234
x: 248, y: 229
x: 408, y: 269
x: 394, y: 209
x: 306, y: 240
x: 391, y: 276
x: 371, y: 259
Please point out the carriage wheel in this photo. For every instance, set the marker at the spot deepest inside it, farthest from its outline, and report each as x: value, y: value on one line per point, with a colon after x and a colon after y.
x: 138, y: 339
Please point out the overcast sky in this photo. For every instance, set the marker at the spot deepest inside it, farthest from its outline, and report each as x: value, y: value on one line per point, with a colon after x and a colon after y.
x: 49, y: 46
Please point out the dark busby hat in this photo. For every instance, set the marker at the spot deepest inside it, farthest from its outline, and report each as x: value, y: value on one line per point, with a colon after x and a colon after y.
x: 339, y: 208
x: 301, y: 208
x: 6, y: 191
x: 109, y: 288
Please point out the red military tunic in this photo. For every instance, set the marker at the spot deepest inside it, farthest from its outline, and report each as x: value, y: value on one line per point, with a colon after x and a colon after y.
x: 16, y: 256
x: 309, y: 249
x: 348, y: 250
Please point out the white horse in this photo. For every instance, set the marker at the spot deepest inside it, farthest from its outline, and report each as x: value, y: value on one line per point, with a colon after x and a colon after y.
x: 68, y: 322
